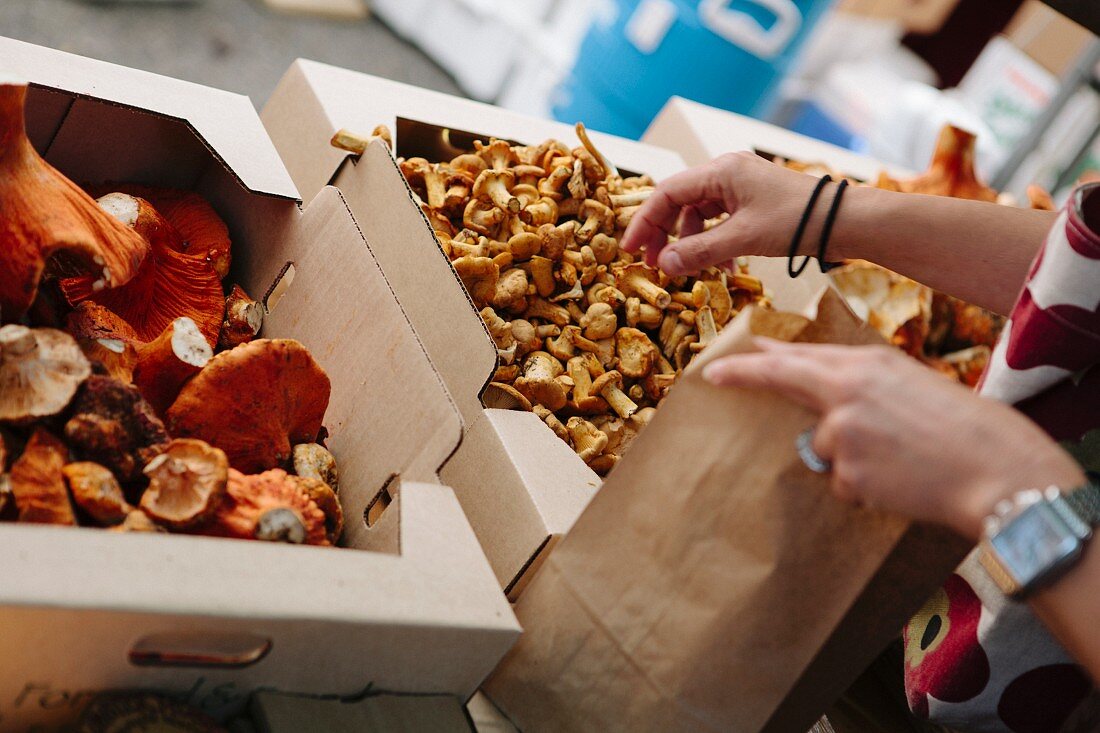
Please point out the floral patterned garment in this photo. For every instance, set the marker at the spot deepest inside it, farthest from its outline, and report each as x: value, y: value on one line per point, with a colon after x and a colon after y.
x: 974, y: 660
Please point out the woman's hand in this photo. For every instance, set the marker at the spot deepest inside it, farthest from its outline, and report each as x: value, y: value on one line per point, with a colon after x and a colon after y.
x: 900, y: 436
x: 765, y: 202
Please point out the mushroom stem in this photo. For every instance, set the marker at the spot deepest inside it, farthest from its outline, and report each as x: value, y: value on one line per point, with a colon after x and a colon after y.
x: 632, y: 198
x: 167, y: 362
x: 243, y: 319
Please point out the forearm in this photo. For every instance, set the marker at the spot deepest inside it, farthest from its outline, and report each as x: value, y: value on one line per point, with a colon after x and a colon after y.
x: 979, y: 252
x: 1071, y: 607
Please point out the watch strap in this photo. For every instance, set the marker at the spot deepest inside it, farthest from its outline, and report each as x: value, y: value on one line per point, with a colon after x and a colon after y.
x: 1085, y: 501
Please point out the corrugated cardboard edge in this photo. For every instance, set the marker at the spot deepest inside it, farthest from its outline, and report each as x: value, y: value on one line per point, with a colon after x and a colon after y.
x: 226, y: 123
x: 700, y: 133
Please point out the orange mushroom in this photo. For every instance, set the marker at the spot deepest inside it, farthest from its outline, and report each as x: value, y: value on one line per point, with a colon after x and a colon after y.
x: 170, y: 284
x: 267, y: 506
x: 255, y: 402
x: 202, y: 232
x: 38, y: 484
x: 95, y: 490
x: 952, y: 170
x: 164, y: 364
x: 43, y: 214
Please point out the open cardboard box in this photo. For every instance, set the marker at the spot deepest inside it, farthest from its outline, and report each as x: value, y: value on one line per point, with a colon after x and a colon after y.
x: 414, y: 607
x: 700, y: 133
x: 520, y: 486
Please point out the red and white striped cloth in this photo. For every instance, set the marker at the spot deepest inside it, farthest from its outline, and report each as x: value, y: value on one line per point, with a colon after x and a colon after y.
x: 974, y: 660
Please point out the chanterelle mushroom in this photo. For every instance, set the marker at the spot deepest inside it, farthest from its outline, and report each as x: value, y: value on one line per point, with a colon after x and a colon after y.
x: 254, y: 402
x: 169, y: 284
x: 637, y: 354
x: 43, y: 213
x: 186, y: 483
x: 539, y: 381
x: 40, y: 371
x: 267, y: 506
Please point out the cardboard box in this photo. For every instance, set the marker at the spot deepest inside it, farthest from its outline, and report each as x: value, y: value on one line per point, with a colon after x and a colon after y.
x: 1047, y: 36
x: 413, y: 608
x: 520, y: 486
x: 700, y: 133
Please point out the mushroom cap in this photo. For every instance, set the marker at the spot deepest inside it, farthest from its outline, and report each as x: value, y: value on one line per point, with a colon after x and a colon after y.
x: 202, y: 232
x: 326, y: 500
x: 313, y: 460
x: 600, y: 383
x: 504, y: 397
x: 952, y: 170
x: 270, y: 505
x: 38, y: 484
x: 186, y: 483
x: 43, y: 213
x: 254, y: 402
x: 169, y: 284
x: 479, y: 275
x: 114, y: 426
x: 93, y: 321
x: 96, y: 490
x: 40, y: 371
x: 539, y: 384
x: 637, y: 354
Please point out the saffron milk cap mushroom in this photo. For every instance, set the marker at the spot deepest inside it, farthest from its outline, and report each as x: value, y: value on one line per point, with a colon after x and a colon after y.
x: 172, y: 358
x: 96, y: 490
x: 169, y: 284
x: 268, y: 506
x: 254, y: 402
x: 44, y: 215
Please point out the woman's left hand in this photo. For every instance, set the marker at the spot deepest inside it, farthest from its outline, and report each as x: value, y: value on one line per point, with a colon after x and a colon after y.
x: 900, y: 436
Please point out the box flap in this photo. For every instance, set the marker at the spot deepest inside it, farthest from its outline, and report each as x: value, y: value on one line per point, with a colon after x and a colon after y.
x: 701, y: 133
x: 357, y: 101
x: 226, y: 123
x: 512, y: 454
x: 426, y: 285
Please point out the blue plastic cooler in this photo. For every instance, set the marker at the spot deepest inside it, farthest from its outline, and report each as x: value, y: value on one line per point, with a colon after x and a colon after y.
x: 730, y: 54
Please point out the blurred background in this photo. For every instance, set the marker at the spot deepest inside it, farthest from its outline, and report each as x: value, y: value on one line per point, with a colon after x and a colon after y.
x: 876, y: 76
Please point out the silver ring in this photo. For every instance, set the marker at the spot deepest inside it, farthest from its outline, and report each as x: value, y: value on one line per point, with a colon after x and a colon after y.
x: 805, y: 445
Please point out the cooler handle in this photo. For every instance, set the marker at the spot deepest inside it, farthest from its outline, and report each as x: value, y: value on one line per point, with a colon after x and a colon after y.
x: 741, y: 29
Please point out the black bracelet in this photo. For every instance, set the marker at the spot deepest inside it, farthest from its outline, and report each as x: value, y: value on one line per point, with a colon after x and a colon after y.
x: 827, y: 229
x: 797, y: 239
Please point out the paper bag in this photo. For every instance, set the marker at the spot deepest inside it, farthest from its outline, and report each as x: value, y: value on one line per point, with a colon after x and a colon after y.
x: 714, y: 583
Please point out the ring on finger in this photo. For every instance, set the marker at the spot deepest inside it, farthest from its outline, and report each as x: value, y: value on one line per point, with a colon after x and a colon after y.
x: 804, y: 443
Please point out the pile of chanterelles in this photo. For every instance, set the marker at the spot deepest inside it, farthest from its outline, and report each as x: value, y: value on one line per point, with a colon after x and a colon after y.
x: 134, y: 392
x: 588, y: 338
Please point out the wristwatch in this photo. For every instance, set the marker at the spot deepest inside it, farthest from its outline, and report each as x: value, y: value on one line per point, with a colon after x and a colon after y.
x: 1038, y: 535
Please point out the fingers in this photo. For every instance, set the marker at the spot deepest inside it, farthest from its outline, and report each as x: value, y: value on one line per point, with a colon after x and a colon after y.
x: 803, y: 379
x: 697, y: 251
x: 651, y: 224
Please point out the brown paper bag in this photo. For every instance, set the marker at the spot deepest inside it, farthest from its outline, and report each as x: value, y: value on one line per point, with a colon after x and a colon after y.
x: 714, y: 583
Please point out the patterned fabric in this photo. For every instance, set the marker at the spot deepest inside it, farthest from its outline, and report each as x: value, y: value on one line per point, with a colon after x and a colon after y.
x: 974, y: 660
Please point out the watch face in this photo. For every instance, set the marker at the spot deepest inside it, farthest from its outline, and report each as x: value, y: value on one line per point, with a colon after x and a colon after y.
x: 1035, y: 542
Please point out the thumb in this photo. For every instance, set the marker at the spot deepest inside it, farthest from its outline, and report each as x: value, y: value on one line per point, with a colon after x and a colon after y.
x: 699, y: 251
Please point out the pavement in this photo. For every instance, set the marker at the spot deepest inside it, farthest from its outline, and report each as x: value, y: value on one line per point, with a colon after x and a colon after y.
x: 237, y: 45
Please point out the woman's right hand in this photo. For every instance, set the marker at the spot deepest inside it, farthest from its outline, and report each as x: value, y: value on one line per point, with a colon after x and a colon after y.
x: 764, y: 202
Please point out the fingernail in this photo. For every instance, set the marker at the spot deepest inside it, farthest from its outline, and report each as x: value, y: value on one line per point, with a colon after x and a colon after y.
x: 671, y: 262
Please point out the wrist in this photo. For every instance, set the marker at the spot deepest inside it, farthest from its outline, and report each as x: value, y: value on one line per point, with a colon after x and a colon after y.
x: 983, y: 495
